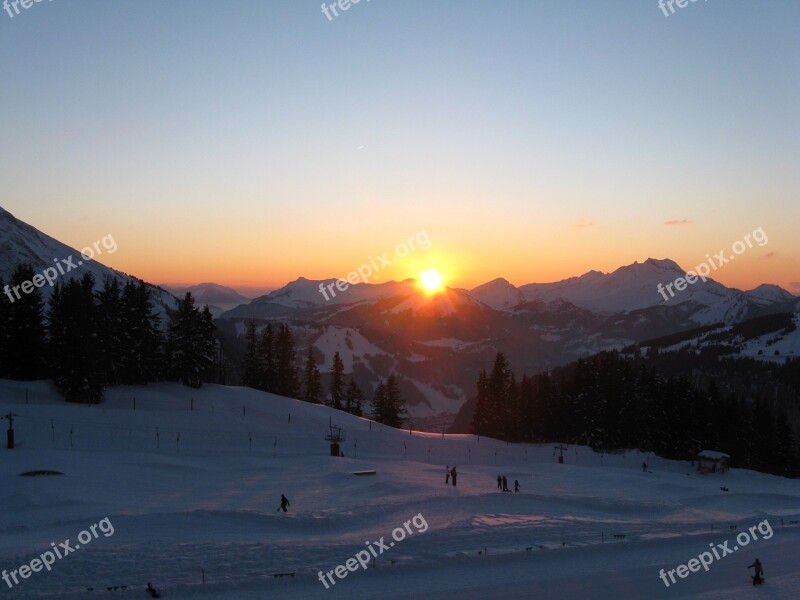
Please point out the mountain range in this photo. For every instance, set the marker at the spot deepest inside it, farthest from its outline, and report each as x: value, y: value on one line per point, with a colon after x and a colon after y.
x: 438, y: 344
x: 219, y: 298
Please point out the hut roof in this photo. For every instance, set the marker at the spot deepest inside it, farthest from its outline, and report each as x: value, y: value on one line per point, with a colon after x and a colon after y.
x: 713, y: 454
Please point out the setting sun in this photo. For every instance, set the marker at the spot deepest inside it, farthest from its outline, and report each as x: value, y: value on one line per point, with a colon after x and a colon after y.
x: 431, y: 281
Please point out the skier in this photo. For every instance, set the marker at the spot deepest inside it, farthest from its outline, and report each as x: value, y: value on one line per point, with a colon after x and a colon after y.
x: 505, y: 484
x: 758, y: 578
x: 284, y: 504
x: 447, y: 475
x: 500, y: 482
x: 453, y: 474
x: 516, y: 486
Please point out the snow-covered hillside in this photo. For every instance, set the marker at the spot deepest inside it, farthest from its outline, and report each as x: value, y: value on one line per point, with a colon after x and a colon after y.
x: 22, y: 243
x: 773, y: 342
x: 191, y: 480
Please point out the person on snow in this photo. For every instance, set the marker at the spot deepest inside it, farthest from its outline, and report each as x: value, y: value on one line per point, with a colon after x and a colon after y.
x: 284, y: 504
x: 644, y: 467
x: 505, y: 484
x: 758, y: 578
x: 453, y: 474
x: 447, y: 475
x: 516, y: 486
x: 153, y: 592
x: 500, y: 482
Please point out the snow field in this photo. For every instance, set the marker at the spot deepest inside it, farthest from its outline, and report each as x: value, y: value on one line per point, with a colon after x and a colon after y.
x: 206, y: 507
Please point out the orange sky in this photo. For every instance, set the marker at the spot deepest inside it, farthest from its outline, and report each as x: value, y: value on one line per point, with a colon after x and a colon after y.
x: 531, y: 140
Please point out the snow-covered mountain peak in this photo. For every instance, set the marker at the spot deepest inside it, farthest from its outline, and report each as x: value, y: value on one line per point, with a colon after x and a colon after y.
x: 499, y: 294
x: 767, y: 293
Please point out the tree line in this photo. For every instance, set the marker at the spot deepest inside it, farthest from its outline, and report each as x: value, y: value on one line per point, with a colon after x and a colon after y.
x: 270, y: 364
x: 610, y: 401
x: 86, y: 340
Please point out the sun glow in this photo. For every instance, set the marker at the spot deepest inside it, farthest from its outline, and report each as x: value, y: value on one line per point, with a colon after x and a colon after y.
x: 431, y: 281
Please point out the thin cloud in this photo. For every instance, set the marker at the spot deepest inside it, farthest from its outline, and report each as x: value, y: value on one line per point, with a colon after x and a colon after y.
x: 584, y: 223
x: 769, y: 255
x: 678, y: 222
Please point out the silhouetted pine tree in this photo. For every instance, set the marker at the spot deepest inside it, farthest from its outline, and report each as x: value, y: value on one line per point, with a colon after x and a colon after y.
x: 24, y: 329
x: 75, y: 344
x: 354, y: 399
x: 388, y: 404
x: 336, y: 388
x: 143, y: 348
x: 312, y: 385
x: 191, y: 345
x: 208, y: 344
x: 502, y: 391
x: 285, y: 357
x: 481, y: 421
x: 268, y: 360
x: 525, y: 411
x: 251, y: 364
x: 111, y: 332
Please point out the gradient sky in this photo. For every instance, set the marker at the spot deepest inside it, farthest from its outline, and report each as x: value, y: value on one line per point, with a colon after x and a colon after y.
x: 252, y: 142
